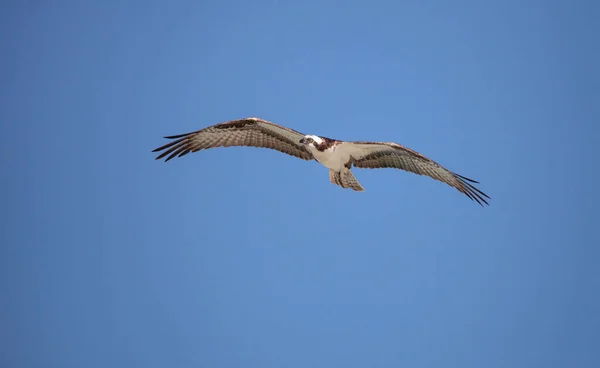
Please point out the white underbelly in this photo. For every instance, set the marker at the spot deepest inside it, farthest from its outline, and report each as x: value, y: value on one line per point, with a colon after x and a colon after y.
x: 331, y: 159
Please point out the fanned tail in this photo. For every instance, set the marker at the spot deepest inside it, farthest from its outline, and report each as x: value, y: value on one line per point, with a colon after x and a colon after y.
x: 345, y: 179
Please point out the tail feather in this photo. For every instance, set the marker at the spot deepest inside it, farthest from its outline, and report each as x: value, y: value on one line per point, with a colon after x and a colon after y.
x: 345, y: 179
x: 334, y: 177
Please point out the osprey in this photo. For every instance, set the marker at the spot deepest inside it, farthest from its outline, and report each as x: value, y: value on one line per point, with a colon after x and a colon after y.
x: 338, y: 156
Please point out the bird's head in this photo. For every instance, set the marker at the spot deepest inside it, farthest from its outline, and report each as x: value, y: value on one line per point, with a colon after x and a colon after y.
x: 311, y: 140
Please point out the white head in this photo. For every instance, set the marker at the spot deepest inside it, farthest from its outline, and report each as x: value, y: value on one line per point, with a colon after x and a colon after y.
x: 311, y: 140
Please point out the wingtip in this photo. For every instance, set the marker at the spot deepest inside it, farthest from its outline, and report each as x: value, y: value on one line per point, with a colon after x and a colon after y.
x: 467, y: 179
x: 474, y: 193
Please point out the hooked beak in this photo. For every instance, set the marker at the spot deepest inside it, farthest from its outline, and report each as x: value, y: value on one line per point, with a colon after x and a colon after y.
x: 302, y: 141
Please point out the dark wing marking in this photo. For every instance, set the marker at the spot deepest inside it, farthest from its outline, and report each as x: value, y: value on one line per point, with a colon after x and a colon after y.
x: 251, y: 132
x: 371, y: 155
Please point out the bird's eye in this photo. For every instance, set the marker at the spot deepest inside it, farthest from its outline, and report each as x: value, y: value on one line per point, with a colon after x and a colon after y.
x: 310, y: 140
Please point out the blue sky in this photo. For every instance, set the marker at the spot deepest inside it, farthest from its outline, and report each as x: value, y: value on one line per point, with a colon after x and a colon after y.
x: 245, y: 257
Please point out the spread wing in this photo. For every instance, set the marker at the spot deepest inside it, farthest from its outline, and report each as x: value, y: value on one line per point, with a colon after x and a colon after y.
x: 373, y: 155
x: 251, y: 132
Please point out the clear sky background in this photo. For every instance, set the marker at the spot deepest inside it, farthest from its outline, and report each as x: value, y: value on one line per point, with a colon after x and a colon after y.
x: 246, y: 257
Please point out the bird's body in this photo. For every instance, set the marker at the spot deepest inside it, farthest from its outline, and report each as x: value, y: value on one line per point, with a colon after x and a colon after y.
x: 332, y: 156
x: 336, y: 155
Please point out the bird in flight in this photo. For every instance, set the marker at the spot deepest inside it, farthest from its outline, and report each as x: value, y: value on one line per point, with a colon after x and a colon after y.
x: 336, y: 155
